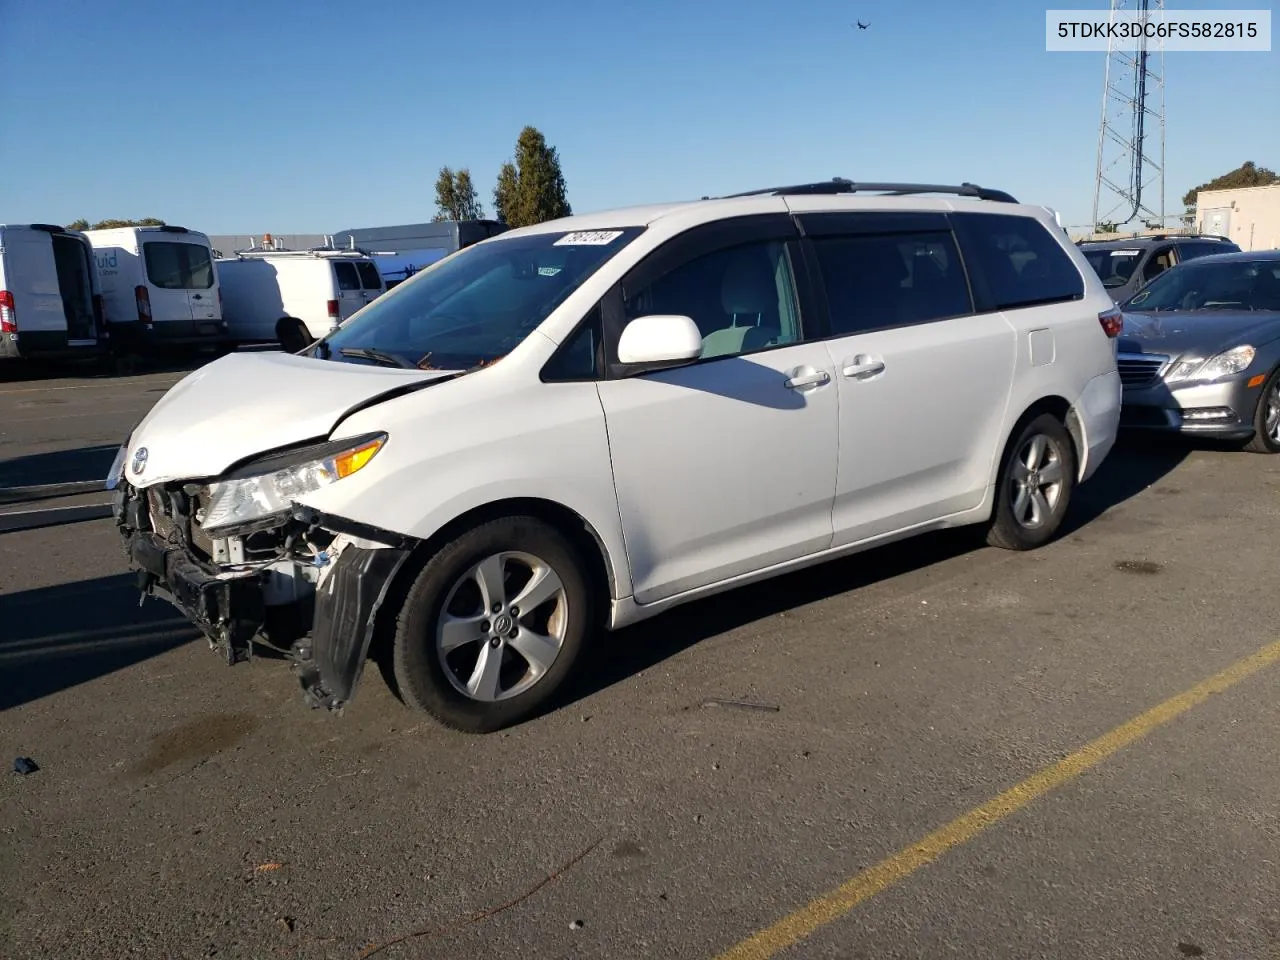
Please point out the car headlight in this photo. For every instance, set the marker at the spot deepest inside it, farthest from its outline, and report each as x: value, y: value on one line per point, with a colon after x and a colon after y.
x: 270, y: 485
x: 1225, y: 364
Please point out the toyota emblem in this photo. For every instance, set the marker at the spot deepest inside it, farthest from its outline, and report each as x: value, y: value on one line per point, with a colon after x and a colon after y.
x: 140, y: 460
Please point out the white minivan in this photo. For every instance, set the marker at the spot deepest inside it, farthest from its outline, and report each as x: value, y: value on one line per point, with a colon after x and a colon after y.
x: 263, y: 289
x: 577, y: 425
x: 49, y: 296
x: 159, y: 283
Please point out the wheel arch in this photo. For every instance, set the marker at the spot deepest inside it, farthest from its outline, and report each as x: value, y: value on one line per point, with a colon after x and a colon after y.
x: 584, y: 538
x: 1059, y: 407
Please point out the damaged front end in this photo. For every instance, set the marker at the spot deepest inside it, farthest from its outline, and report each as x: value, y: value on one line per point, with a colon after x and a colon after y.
x: 302, y: 582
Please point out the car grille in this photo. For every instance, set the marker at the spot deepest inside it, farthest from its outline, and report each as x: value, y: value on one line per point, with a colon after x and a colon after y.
x: 1139, y: 369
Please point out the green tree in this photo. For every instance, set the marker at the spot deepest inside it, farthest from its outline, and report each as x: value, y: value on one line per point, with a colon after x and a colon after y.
x: 81, y: 224
x: 456, y: 197
x: 531, y: 189
x: 1248, y: 174
x: 504, y: 194
x: 111, y: 224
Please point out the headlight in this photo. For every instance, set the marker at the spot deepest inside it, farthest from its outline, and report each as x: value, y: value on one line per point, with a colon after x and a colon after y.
x: 260, y: 491
x: 1225, y: 364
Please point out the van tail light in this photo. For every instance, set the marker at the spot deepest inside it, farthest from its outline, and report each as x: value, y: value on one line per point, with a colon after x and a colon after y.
x: 143, y: 300
x: 8, y: 315
x: 333, y: 310
x: 1112, y: 322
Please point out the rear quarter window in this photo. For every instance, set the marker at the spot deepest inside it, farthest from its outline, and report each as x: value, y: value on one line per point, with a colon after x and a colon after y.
x: 1016, y: 262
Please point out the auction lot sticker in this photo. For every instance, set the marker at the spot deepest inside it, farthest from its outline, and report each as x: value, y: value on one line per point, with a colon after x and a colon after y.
x: 588, y: 238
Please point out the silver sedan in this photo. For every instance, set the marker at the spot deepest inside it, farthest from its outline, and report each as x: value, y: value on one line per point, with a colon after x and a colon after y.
x: 1200, y: 350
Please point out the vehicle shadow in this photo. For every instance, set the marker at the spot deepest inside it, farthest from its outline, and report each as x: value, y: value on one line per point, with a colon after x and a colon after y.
x: 58, y: 466
x: 58, y: 637
x: 1133, y: 465
x: 109, y: 368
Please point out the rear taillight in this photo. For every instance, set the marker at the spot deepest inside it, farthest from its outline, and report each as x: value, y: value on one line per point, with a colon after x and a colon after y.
x: 8, y: 315
x: 1112, y: 322
x: 143, y: 300
x: 333, y: 310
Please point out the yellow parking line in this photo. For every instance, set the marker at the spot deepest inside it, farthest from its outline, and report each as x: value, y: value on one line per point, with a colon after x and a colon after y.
x: 896, y: 868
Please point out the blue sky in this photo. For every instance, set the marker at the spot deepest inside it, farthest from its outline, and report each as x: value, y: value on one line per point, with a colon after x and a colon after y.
x: 290, y: 116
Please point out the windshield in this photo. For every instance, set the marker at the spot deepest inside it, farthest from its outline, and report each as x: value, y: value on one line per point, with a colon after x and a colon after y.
x: 476, y: 306
x: 1113, y: 267
x: 1226, y: 285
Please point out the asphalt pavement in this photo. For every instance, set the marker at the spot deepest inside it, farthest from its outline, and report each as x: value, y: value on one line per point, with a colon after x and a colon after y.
x: 929, y: 750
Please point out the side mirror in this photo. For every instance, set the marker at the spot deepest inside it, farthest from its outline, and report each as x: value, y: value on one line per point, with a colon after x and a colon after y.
x: 659, y: 340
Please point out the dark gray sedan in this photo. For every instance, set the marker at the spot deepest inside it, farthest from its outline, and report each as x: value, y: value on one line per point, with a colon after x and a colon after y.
x: 1200, y: 350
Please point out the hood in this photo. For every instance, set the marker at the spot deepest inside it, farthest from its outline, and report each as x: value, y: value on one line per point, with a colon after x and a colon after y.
x: 1199, y: 332
x: 247, y: 403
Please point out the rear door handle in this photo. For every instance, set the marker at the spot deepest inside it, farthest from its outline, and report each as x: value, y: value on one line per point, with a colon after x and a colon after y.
x: 800, y: 380
x: 863, y: 367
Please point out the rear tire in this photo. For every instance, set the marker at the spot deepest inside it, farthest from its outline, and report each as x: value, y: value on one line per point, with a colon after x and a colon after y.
x: 293, y: 334
x: 1266, y: 418
x: 492, y: 625
x: 1035, y: 485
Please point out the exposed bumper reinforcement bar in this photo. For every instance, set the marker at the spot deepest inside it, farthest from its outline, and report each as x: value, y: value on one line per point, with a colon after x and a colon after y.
x: 228, y: 609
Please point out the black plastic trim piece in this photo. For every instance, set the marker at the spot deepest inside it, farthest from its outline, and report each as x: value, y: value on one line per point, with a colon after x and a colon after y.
x: 839, y: 185
x: 352, y: 528
x: 330, y: 662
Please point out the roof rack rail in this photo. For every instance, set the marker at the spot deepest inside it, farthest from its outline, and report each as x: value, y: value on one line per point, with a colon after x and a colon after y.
x: 843, y: 185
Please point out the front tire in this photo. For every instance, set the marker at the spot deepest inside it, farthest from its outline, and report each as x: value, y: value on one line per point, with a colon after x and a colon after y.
x: 1266, y: 418
x: 492, y: 625
x: 1036, y: 482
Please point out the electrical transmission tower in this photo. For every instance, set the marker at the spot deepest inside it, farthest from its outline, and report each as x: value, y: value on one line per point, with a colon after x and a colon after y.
x: 1130, y: 180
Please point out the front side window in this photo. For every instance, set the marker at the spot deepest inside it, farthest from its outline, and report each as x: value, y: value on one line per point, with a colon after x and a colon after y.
x: 742, y: 298
x: 178, y: 266
x: 1021, y: 263
x: 475, y: 306
x: 1161, y: 260
x: 874, y: 282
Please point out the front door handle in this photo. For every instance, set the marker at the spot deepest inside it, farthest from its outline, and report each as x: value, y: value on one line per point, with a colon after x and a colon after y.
x: 863, y: 367
x: 807, y: 378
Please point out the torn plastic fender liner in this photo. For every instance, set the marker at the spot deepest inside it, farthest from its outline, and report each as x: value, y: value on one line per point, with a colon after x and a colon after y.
x: 330, y: 661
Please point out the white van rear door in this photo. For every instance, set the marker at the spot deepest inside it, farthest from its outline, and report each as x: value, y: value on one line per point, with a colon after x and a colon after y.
x: 350, y: 292
x: 31, y: 276
x: 370, y: 280
x: 180, y: 275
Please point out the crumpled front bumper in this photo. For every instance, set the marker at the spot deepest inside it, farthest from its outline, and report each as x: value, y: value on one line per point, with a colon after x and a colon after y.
x: 231, y: 606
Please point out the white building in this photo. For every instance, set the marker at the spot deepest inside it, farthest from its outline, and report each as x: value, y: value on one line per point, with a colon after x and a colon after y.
x: 1248, y: 216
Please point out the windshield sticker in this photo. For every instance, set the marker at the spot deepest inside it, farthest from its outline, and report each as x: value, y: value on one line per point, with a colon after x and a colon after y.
x: 1125, y: 253
x: 589, y: 238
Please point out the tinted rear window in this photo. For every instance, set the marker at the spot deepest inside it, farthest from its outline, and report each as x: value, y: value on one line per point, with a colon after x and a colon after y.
x: 178, y: 266
x: 1020, y: 262
x: 1113, y: 267
x: 874, y: 282
x: 348, y: 279
x: 369, y: 276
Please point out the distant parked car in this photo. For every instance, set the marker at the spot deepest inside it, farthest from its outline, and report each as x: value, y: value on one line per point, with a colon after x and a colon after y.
x: 1200, y: 350
x: 261, y: 289
x: 1125, y: 265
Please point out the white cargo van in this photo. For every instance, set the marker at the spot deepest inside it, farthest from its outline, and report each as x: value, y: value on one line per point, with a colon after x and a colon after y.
x: 321, y: 287
x: 161, y: 283
x: 49, y: 302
